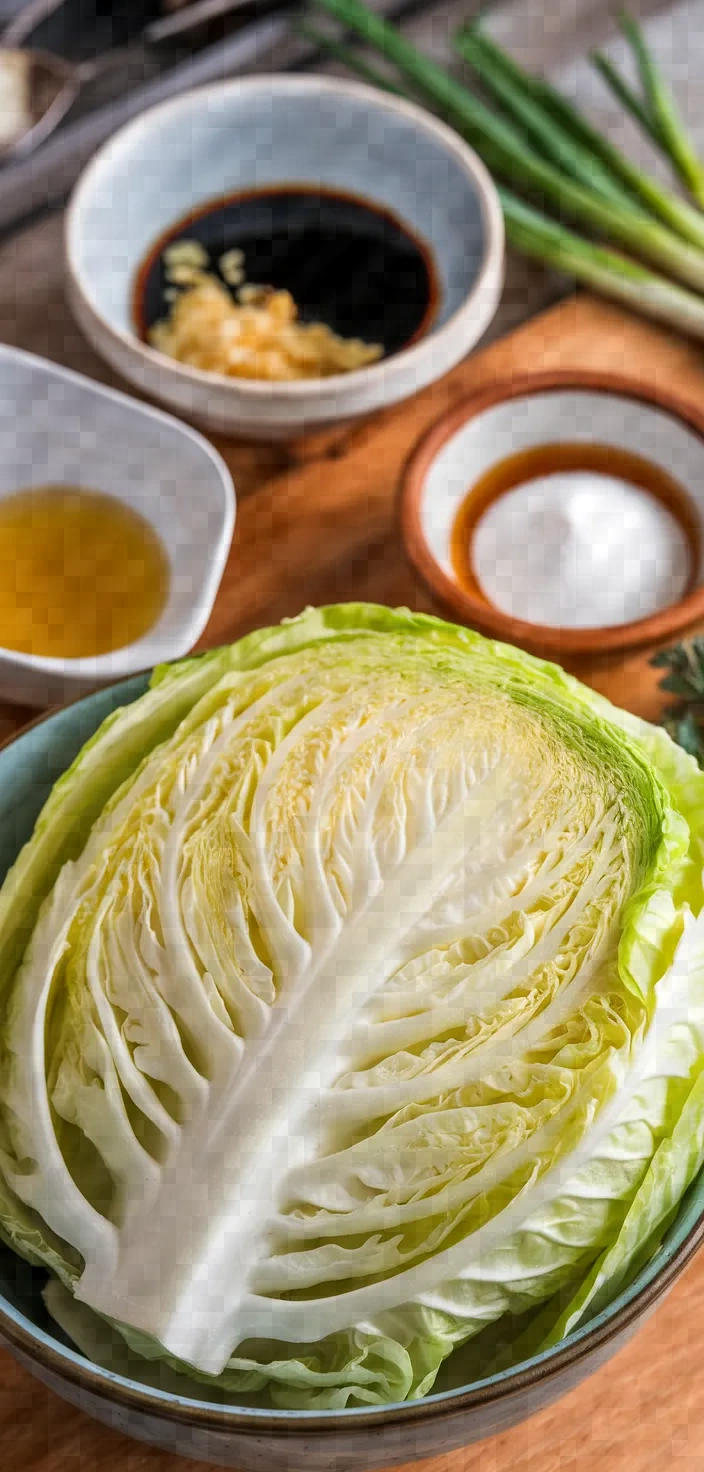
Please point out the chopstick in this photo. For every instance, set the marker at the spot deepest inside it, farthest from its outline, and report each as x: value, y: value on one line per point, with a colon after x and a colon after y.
x: 199, y: 12
x: 29, y: 17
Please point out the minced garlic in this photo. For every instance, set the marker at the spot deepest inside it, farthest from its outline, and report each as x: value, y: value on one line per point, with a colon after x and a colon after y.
x: 258, y: 335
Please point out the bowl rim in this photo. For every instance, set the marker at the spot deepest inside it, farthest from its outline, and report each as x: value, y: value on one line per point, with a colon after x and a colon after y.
x: 535, y: 637
x: 40, y: 1348
x: 299, y: 390
x: 135, y: 656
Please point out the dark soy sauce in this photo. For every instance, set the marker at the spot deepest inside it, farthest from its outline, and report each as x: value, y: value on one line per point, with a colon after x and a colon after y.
x: 346, y: 263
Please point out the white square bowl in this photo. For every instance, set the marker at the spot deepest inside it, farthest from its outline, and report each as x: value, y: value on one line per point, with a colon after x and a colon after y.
x: 57, y: 427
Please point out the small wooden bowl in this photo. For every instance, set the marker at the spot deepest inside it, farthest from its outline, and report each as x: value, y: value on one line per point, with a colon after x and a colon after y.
x: 537, y: 409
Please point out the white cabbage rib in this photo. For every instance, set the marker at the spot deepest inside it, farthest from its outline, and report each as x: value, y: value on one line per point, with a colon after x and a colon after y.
x: 328, y: 997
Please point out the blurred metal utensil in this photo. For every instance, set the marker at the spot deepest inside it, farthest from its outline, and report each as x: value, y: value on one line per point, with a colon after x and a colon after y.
x: 36, y: 91
x: 37, y: 88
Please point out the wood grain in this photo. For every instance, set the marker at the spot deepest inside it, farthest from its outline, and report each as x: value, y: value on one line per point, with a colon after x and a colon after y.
x: 317, y: 523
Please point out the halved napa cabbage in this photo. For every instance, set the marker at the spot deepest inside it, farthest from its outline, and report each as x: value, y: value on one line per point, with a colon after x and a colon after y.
x: 363, y: 1008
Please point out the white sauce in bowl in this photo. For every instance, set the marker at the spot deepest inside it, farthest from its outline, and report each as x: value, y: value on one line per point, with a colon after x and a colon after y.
x: 579, y: 549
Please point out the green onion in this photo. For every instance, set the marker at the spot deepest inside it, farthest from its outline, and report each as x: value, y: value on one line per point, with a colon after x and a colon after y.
x: 663, y: 110
x: 504, y: 79
x: 656, y: 114
x: 506, y: 151
x: 570, y: 140
x: 348, y: 58
x: 628, y: 99
x: 559, y: 108
x: 604, y: 270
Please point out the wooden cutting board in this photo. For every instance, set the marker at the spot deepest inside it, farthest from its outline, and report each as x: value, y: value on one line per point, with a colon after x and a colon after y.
x: 316, y: 524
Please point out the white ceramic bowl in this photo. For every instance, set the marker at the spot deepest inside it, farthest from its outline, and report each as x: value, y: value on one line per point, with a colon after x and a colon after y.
x: 58, y: 427
x: 277, y: 130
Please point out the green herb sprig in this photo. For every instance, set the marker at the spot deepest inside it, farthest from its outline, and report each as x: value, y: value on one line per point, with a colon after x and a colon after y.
x: 685, y: 679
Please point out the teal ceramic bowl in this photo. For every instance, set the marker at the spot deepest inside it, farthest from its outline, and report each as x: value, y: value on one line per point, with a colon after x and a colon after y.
x: 246, y: 1437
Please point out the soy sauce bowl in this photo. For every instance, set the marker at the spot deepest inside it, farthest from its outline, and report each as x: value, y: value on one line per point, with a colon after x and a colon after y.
x: 279, y: 132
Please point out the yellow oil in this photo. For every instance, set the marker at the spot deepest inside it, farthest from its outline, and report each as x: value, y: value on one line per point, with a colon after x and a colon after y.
x: 81, y: 574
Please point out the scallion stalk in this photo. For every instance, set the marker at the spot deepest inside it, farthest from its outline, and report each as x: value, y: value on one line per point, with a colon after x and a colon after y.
x: 627, y: 97
x: 530, y: 231
x: 569, y: 139
x: 505, y: 150
x: 662, y: 107
x: 605, y: 270
x: 505, y: 81
x: 349, y: 58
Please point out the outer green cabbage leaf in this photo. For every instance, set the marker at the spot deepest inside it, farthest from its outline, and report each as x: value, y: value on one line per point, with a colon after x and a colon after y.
x: 363, y: 1012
